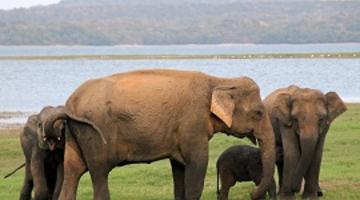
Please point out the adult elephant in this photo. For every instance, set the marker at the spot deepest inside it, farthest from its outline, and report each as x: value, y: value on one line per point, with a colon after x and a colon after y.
x: 301, y: 118
x: 151, y: 115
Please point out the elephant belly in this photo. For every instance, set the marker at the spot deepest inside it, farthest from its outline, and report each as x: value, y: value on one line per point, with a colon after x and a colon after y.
x: 145, y: 147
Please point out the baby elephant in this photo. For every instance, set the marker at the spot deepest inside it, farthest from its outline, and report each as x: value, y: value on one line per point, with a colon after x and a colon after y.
x: 44, y: 154
x: 240, y: 163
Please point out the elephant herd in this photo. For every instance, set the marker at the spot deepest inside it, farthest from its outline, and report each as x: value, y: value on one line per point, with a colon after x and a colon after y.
x: 149, y: 115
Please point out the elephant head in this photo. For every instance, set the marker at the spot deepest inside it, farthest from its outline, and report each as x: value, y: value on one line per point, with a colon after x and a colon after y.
x: 237, y: 104
x: 308, y: 113
x: 61, y: 118
x: 54, y: 139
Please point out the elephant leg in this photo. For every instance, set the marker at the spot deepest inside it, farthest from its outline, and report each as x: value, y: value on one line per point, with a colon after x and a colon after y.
x: 312, y: 187
x: 41, y: 191
x: 59, y: 181
x: 28, y: 183
x: 178, y: 171
x: 227, y: 180
x: 100, y: 184
x: 256, y: 180
x: 291, y: 151
x: 74, y: 168
x: 194, y: 179
x: 195, y: 170
x: 272, y: 190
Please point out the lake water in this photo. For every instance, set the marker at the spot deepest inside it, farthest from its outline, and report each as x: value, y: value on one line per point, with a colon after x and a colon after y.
x: 178, y: 49
x: 28, y: 86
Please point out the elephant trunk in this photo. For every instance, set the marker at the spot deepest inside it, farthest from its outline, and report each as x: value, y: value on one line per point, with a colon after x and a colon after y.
x: 265, y: 136
x: 48, y: 126
x: 308, y: 141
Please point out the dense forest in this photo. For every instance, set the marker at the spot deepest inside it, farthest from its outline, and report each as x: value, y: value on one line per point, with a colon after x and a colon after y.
x: 113, y: 22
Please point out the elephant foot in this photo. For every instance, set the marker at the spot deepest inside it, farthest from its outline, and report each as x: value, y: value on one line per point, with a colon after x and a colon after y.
x: 310, y: 195
x: 296, y: 187
x: 262, y: 198
x: 287, y: 196
x: 320, y: 193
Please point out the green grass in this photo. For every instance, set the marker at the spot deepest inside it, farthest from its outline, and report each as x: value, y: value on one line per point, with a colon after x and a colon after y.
x: 187, y: 57
x: 340, y: 173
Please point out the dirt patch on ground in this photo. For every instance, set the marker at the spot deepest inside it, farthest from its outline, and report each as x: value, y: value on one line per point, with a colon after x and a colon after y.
x: 8, y: 132
x: 333, y: 185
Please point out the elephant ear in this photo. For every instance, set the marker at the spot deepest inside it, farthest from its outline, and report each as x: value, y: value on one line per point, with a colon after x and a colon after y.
x: 335, y: 105
x: 222, y: 105
x: 282, y: 108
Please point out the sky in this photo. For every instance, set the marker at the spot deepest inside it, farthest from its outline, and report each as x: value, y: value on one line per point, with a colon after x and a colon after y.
x: 10, y: 4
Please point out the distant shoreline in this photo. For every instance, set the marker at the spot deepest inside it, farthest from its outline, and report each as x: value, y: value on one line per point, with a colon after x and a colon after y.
x: 315, y: 55
x: 13, y: 119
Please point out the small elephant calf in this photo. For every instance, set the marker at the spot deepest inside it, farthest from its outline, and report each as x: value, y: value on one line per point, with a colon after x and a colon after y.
x: 240, y: 163
x: 44, y: 155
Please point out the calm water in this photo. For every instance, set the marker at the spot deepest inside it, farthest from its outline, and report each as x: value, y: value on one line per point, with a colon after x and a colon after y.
x: 30, y: 85
x: 178, y: 49
x: 27, y: 86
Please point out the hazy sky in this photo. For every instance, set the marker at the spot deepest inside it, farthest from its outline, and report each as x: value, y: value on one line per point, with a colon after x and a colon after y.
x: 10, y: 4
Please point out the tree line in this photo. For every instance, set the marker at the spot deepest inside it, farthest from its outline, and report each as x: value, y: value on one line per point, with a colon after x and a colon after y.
x: 111, y: 22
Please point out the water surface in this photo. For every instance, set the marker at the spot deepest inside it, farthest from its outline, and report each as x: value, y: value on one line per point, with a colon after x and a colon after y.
x: 30, y: 85
x: 177, y: 49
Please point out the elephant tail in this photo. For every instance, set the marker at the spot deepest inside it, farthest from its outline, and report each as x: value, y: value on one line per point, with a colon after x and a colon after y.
x: 217, y: 181
x: 15, y: 170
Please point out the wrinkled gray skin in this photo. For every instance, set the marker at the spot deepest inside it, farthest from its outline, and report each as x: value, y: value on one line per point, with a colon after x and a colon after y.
x: 44, y: 156
x: 301, y: 118
x: 237, y: 164
x: 149, y: 115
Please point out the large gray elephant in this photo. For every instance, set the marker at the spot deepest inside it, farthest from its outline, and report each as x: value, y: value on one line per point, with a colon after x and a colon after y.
x: 149, y: 115
x: 301, y: 118
x: 44, y: 154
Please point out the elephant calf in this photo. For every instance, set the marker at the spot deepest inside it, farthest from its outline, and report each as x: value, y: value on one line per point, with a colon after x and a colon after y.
x: 240, y: 163
x: 44, y: 154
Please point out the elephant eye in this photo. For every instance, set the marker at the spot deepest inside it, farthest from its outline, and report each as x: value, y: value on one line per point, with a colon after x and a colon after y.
x: 257, y: 115
x: 322, y: 120
x: 294, y: 120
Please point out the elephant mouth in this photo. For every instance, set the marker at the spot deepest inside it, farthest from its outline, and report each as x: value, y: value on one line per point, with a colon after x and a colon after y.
x: 248, y: 132
x: 245, y: 133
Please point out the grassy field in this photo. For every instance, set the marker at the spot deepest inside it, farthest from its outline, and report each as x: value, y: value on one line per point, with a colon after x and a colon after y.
x: 340, y: 174
x: 295, y: 55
